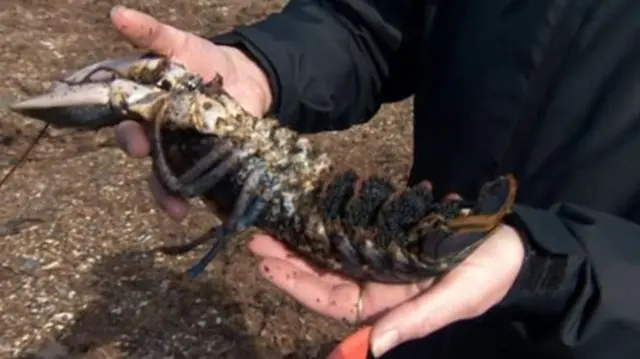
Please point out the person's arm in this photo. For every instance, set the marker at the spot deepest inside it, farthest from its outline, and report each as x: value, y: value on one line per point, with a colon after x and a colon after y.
x: 330, y: 63
x: 579, y: 290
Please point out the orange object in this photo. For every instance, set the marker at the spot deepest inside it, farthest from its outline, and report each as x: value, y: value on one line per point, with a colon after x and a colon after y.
x: 355, y: 346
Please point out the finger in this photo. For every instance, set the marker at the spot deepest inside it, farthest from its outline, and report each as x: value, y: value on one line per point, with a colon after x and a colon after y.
x: 419, y: 317
x: 146, y: 32
x: 466, y: 292
x: 377, y: 297
x: 132, y: 139
x: 175, y: 207
x: 335, y: 301
x: 266, y: 246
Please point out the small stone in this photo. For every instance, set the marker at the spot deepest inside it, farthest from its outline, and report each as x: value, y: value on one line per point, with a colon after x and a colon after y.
x: 30, y: 264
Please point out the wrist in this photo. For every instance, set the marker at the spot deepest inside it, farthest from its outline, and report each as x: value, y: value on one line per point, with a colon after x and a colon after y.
x: 252, y: 76
x: 539, y: 288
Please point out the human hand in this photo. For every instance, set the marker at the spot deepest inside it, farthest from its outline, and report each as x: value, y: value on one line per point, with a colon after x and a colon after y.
x: 400, y: 313
x: 243, y: 79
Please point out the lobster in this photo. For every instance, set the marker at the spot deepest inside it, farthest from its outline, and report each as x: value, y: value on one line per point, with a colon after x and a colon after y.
x: 255, y: 173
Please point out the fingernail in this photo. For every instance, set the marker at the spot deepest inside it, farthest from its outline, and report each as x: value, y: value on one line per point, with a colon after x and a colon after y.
x: 116, y: 8
x: 125, y: 12
x: 384, y: 342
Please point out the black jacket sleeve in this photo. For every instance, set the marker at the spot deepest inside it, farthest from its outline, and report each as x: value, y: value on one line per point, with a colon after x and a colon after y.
x: 331, y: 62
x: 578, y: 293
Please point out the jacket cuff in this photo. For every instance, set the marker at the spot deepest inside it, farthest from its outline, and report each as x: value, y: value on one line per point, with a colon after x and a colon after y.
x: 551, y: 270
x: 246, y: 39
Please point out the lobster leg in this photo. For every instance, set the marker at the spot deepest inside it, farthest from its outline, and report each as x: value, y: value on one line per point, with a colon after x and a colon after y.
x: 201, y: 177
x: 246, y: 211
x: 168, y: 178
x: 191, y: 245
x: 209, y: 179
x: 241, y: 205
x: 205, y: 163
x: 219, y: 236
x: 223, y: 233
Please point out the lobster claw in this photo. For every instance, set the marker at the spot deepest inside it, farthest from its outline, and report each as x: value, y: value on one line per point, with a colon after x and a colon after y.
x: 99, y: 95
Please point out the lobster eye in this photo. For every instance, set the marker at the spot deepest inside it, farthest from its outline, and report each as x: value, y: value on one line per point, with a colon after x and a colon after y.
x: 165, y: 84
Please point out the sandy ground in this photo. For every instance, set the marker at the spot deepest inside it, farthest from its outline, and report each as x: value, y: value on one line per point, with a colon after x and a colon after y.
x: 77, y: 219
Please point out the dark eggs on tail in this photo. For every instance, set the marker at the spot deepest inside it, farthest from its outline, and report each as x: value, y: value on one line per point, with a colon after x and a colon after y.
x: 375, y: 232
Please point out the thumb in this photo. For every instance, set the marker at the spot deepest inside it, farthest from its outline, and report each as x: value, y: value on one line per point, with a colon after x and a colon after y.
x: 468, y: 291
x: 146, y: 32
x: 446, y: 302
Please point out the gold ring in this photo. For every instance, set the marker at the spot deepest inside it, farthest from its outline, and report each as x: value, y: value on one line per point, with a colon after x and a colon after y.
x: 359, y: 304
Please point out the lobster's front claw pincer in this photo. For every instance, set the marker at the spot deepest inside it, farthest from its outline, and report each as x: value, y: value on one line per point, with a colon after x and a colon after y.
x: 147, y: 70
x: 93, y: 105
x: 99, y: 95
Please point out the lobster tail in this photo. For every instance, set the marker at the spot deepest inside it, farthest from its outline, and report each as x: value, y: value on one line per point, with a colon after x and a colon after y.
x: 374, y: 232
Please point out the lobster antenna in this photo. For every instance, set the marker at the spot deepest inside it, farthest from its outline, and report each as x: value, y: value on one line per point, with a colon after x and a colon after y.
x: 24, y: 155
